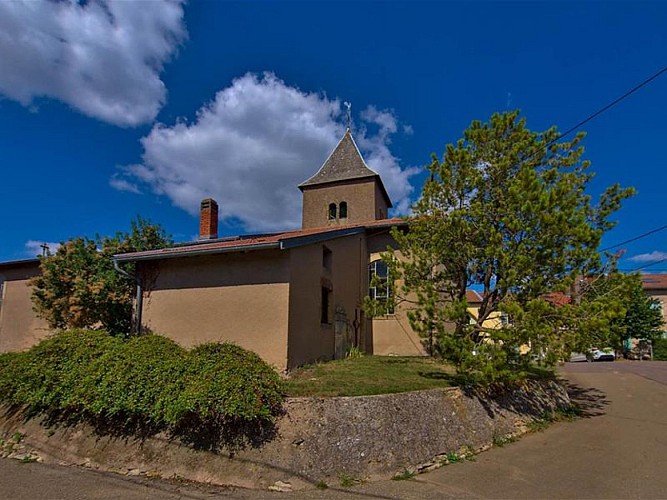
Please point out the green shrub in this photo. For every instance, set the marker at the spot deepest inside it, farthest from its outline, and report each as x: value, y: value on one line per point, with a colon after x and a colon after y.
x: 660, y: 349
x: 53, y: 369
x: 136, y: 381
x: 12, y: 367
x: 215, y: 396
x: 227, y: 387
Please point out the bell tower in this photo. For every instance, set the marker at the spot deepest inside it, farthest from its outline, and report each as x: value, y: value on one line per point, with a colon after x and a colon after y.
x: 344, y: 190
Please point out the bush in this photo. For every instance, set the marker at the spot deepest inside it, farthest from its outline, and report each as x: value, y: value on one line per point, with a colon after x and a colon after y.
x: 660, y: 349
x: 135, y: 383
x: 227, y: 387
x: 52, y: 371
x: 217, y: 395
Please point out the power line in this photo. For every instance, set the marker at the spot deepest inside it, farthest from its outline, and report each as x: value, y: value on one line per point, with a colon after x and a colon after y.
x: 649, y: 265
x: 643, y: 235
x: 600, y: 111
x: 611, y: 104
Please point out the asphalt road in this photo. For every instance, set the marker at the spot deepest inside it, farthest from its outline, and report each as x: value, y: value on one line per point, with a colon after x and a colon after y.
x: 617, y: 450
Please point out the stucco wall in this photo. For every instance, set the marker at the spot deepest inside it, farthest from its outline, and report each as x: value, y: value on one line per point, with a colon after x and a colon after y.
x: 237, y: 297
x: 361, y: 197
x: 392, y: 334
x: 20, y: 328
x: 661, y: 295
x: 309, y: 339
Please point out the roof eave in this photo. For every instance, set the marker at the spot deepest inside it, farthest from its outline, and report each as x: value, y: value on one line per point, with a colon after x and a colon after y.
x: 195, y: 252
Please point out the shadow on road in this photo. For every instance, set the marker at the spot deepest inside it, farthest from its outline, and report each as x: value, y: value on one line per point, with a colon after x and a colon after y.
x: 592, y: 402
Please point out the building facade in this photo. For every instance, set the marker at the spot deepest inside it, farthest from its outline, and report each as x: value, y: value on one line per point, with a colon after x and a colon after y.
x: 293, y: 297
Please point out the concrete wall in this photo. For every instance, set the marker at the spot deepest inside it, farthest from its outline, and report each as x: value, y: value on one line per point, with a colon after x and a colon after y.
x: 20, y: 328
x: 317, y: 439
x: 364, y: 203
x: 309, y: 339
x: 237, y: 297
x: 391, y: 333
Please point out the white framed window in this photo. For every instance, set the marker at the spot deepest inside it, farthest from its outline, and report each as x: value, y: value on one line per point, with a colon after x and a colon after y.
x: 378, y: 284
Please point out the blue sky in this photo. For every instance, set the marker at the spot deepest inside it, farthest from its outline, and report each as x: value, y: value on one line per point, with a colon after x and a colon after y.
x: 113, y: 109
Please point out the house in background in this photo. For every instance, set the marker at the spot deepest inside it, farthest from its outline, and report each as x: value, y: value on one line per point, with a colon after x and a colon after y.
x: 655, y: 285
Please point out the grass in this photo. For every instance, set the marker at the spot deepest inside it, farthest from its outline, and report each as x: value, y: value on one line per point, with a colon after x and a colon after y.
x: 368, y: 375
x: 404, y: 476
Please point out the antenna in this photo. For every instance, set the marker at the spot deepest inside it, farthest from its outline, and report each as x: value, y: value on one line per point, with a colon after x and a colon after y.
x: 348, y: 105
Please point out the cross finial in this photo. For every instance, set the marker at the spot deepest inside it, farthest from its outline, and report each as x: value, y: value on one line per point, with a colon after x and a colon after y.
x: 348, y: 105
x: 46, y: 251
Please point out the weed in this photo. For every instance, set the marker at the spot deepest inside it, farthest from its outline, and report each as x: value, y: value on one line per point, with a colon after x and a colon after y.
x: 402, y: 476
x: 17, y: 437
x: 321, y: 485
x: 28, y: 459
x: 570, y: 413
x: 501, y: 441
x: 347, y: 480
x: 453, y: 458
x: 354, y: 352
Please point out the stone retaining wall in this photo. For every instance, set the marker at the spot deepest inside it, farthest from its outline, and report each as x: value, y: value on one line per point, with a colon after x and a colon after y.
x: 318, y: 438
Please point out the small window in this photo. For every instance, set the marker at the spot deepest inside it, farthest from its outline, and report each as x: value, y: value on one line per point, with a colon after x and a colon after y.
x: 342, y: 212
x: 332, y: 211
x: 378, y: 288
x: 327, y: 258
x: 326, y: 306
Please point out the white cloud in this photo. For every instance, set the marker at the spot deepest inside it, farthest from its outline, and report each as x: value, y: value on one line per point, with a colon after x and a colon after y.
x: 121, y: 184
x: 34, y: 247
x: 102, y: 57
x: 649, y: 257
x: 252, y: 145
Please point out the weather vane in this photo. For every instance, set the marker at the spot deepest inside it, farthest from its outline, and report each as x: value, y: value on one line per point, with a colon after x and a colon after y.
x: 348, y: 105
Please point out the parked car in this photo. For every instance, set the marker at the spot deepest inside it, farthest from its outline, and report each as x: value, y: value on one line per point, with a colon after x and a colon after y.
x: 605, y: 354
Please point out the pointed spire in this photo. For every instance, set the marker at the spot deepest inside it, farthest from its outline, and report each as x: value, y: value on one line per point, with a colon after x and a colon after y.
x: 345, y: 162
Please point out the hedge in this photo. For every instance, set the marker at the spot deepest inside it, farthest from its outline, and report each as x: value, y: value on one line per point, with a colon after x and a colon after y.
x: 214, y: 396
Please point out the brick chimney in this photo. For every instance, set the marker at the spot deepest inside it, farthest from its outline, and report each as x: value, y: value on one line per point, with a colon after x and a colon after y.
x: 208, y: 219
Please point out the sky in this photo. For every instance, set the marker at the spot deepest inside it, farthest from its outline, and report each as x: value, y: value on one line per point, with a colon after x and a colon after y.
x: 113, y: 109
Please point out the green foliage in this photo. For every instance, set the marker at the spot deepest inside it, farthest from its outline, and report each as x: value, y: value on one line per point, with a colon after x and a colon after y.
x: 224, y: 380
x: 78, y: 286
x: 403, y: 476
x: 217, y: 395
x: 660, y: 349
x: 620, y: 309
x: 504, y: 210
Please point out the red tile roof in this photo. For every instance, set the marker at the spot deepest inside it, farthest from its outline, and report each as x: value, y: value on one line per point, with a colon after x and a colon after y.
x: 557, y: 298
x: 654, y: 281
x: 472, y: 296
x: 255, y: 242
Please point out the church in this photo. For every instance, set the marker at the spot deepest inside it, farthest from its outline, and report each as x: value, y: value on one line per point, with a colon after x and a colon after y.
x: 292, y: 297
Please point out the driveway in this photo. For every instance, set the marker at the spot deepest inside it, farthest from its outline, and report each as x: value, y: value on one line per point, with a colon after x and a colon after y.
x: 617, y: 450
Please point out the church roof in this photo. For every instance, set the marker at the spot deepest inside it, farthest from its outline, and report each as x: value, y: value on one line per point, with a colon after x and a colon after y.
x: 344, y: 163
x: 243, y: 243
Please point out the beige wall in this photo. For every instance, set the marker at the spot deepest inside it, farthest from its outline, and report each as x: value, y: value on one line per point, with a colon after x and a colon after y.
x: 661, y: 295
x: 309, y: 339
x: 20, y: 329
x: 392, y: 334
x: 364, y: 203
x: 237, y: 297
